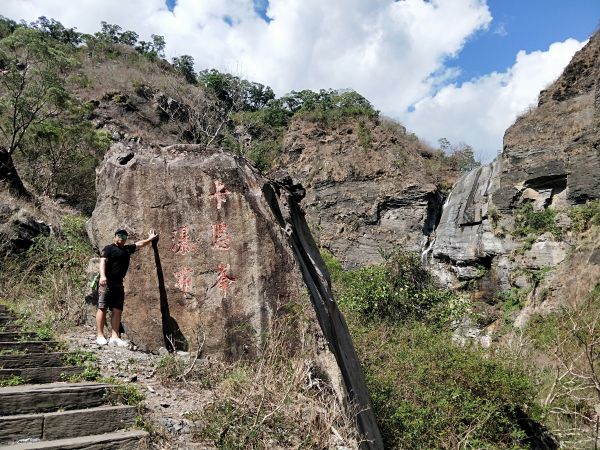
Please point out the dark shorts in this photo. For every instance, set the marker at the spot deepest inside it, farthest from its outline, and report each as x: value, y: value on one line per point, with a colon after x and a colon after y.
x: 111, y: 296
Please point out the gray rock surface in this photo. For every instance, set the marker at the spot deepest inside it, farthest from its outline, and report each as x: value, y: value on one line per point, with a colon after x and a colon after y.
x: 364, y: 199
x: 551, y: 158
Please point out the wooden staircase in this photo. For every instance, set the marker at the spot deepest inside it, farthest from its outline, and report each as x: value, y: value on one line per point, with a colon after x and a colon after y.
x: 56, y: 414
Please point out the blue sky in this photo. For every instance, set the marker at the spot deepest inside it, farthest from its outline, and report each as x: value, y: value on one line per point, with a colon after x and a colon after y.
x: 459, y: 69
x: 524, y: 25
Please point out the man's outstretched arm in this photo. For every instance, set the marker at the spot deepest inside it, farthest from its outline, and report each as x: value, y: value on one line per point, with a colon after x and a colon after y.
x: 151, y: 237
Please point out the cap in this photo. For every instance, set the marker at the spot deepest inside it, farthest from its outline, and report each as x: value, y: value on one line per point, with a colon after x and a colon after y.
x: 122, y: 232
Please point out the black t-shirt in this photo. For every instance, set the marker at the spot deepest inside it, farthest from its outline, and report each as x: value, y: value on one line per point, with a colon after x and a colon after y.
x: 117, y: 261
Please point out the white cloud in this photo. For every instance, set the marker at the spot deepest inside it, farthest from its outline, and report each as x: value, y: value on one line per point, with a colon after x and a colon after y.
x: 479, y: 111
x: 385, y: 49
x: 390, y: 51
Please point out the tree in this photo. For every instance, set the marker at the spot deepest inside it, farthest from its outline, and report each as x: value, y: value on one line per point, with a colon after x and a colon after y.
x: 61, y: 155
x: 235, y: 93
x: 460, y: 157
x: 57, y: 31
x: 109, y: 32
x: 31, y: 91
x: 184, y: 64
x: 152, y: 50
x: 7, y: 26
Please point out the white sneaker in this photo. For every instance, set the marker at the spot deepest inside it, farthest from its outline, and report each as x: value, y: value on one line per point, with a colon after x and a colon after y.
x: 118, y: 342
x: 101, y: 340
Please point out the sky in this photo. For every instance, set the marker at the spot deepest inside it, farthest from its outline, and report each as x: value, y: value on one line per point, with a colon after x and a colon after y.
x: 456, y: 69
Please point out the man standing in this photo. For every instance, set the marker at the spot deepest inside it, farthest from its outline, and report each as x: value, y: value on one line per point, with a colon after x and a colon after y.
x: 114, y: 262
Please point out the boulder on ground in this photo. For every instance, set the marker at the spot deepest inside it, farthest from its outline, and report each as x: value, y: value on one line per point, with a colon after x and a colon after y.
x: 234, y: 255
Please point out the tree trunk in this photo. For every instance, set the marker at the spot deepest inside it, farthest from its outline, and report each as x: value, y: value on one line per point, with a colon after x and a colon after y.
x: 9, y: 178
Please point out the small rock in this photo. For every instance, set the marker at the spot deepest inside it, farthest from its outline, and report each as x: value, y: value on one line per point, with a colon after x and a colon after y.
x: 163, y: 351
x: 151, y: 389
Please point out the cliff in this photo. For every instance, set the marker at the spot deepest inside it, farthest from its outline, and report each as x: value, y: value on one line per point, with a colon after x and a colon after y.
x: 514, y: 217
x: 370, y: 186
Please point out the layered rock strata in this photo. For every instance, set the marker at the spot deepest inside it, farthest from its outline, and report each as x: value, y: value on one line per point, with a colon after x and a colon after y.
x: 370, y: 186
x: 551, y: 159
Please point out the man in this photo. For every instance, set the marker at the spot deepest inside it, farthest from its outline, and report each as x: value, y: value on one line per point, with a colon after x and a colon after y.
x: 114, y: 262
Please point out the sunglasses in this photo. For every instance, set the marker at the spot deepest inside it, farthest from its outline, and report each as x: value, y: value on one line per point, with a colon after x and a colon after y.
x: 122, y: 236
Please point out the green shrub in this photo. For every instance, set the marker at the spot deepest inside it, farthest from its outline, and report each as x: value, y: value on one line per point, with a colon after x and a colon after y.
x: 429, y: 393
x: 263, y: 154
x: 364, y: 136
x: 13, y: 380
x: 334, y: 267
x: 170, y: 367
x: 124, y: 394
x: 512, y: 301
x: 47, y: 284
x: 400, y: 289
x: 529, y: 222
x: 584, y: 216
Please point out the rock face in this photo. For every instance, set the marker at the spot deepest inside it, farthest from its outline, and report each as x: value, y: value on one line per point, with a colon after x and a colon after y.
x: 234, y: 254
x: 556, y: 147
x: 551, y: 159
x: 370, y: 186
x: 18, y: 227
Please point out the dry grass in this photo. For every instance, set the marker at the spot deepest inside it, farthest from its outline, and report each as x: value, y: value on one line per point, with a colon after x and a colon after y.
x: 47, y: 284
x: 282, y: 400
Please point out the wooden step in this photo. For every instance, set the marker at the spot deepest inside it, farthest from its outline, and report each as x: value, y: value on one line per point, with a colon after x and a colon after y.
x: 4, y: 319
x: 38, y: 398
x: 127, y: 440
x: 41, y: 374
x: 12, y: 336
x: 32, y: 360
x: 66, y: 424
x: 10, y: 328
x: 29, y: 346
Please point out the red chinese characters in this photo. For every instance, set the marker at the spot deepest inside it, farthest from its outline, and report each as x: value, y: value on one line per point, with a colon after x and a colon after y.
x: 181, y: 241
x: 224, y: 280
x: 220, y: 237
x: 220, y: 194
x: 184, y: 279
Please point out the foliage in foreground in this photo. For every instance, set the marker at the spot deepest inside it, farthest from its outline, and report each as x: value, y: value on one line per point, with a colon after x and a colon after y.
x: 48, y: 282
x: 282, y: 400
x: 569, y: 340
x: 427, y: 391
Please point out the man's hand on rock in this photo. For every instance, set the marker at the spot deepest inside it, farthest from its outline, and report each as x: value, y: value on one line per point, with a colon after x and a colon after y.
x: 153, y: 235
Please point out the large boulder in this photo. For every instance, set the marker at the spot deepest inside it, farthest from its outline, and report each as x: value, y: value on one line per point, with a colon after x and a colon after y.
x: 234, y: 254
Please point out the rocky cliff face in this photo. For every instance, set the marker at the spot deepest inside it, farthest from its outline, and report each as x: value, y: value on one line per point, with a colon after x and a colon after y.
x: 234, y: 254
x: 370, y: 186
x: 551, y: 160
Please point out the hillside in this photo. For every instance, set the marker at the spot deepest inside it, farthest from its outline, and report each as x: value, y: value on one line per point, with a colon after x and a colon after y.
x: 329, y: 204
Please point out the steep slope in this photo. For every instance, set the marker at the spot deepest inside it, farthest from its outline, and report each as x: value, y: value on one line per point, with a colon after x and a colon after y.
x: 370, y: 185
x: 514, y: 218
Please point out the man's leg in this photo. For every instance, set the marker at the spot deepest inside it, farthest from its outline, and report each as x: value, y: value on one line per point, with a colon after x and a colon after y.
x: 115, y: 322
x: 100, y: 320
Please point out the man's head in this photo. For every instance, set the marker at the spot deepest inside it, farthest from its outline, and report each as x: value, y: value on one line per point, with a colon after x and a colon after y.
x: 121, y: 237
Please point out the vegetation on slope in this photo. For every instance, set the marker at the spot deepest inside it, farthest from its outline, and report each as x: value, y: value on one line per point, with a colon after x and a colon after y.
x: 65, y: 96
x: 427, y: 390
